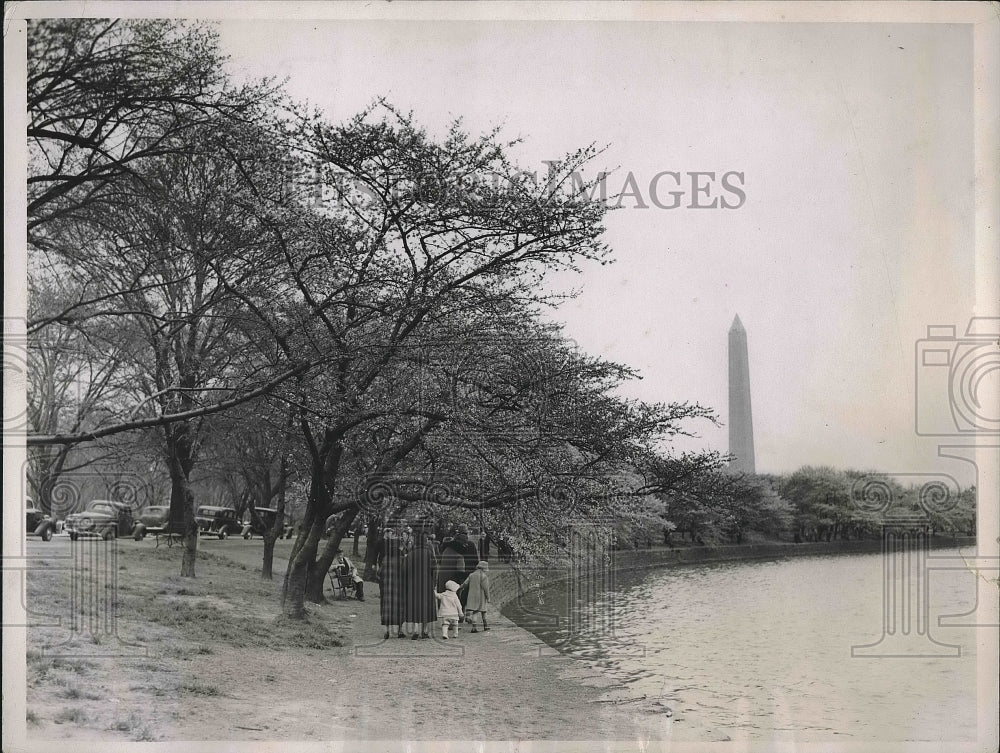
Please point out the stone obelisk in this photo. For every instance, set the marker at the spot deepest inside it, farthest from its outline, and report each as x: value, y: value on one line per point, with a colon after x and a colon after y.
x: 740, y: 416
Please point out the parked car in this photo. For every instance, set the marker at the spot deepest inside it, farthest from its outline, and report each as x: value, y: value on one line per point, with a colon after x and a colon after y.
x: 105, y: 518
x: 152, y: 520
x: 38, y: 523
x: 261, y: 520
x: 218, y: 521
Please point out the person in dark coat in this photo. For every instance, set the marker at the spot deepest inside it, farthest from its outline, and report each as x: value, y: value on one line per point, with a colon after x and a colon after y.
x: 451, y: 564
x: 419, y: 570
x: 433, y: 545
x: 391, y: 584
x: 469, y: 554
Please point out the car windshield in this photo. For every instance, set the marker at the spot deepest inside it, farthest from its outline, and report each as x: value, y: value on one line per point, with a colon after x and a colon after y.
x: 155, y: 510
x: 101, y: 507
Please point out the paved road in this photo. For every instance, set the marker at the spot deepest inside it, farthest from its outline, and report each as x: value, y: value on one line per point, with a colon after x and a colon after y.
x: 246, y: 552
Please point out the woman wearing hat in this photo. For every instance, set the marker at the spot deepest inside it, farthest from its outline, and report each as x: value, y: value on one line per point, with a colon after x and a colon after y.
x: 458, y: 559
x: 478, y: 595
x: 391, y: 588
x: 420, y: 604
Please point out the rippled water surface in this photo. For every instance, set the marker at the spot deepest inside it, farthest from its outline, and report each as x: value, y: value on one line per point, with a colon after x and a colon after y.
x: 763, y: 650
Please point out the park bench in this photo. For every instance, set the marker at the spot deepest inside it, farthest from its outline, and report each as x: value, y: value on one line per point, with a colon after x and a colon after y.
x: 341, y: 581
x: 169, y: 534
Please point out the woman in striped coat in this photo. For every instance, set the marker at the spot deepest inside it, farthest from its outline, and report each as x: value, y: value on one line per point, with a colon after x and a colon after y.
x: 391, y: 587
x: 420, y: 604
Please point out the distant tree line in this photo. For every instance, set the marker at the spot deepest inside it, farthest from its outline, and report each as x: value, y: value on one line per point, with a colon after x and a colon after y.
x: 811, y: 504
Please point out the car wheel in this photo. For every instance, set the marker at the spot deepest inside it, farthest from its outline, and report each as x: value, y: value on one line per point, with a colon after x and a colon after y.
x: 47, y: 534
x: 74, y: 536
x: 108, y: 534
x: 222, y: 534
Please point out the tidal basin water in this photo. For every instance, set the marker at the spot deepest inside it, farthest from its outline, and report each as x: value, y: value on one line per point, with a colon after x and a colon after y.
x: 763, y: 650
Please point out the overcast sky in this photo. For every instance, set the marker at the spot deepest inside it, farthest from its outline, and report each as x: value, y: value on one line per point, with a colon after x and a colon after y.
x: 855, y: 143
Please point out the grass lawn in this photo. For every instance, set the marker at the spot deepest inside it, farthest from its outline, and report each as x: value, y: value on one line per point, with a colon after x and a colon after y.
x: 175, y: 641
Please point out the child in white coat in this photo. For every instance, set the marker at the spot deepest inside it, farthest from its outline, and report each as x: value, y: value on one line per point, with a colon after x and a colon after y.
x: 449, y: 608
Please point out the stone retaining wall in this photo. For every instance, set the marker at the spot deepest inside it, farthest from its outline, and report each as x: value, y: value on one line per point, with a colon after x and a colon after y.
x: 506, y: 583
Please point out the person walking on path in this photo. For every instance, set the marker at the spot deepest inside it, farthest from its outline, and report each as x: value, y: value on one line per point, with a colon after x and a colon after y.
x: 358, y: 530
x: 484, y: 546
x: 433, y: 545
x: 451, y: 564
x: 391, y: 584
x: 462, y: 558
x: 477, y: 601
x: 407, y: 540
x: 419, y: 570
x: 449, y: 609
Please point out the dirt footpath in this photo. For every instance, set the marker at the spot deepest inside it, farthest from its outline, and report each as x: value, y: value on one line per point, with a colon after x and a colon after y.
x: 485, y: 686
x: 213, y: 668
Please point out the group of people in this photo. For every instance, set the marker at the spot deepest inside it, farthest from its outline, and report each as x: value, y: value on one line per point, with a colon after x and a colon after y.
x: 424, y: 583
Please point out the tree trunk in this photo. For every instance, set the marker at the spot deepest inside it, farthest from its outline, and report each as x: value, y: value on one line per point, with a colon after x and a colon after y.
x: 314, y: 588
x: 266, y: 568
x: 271, y: 536
x: 302, y: 564
x: 182, y: 500
x: 180, y: 461
x: 300, y: 567
x: 190, y: 540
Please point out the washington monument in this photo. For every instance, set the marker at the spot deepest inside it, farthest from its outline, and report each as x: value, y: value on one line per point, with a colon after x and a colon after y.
x: 740, y: 416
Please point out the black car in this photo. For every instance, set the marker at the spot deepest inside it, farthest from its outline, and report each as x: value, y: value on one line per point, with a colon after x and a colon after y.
x: 38, y: 523
x: 153, y: 519
x: 105, y: 518
x: 218, y: 521
x: 261, y: 520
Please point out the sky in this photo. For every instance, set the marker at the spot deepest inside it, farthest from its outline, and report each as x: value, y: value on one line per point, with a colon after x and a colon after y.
x: 855, y: 145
